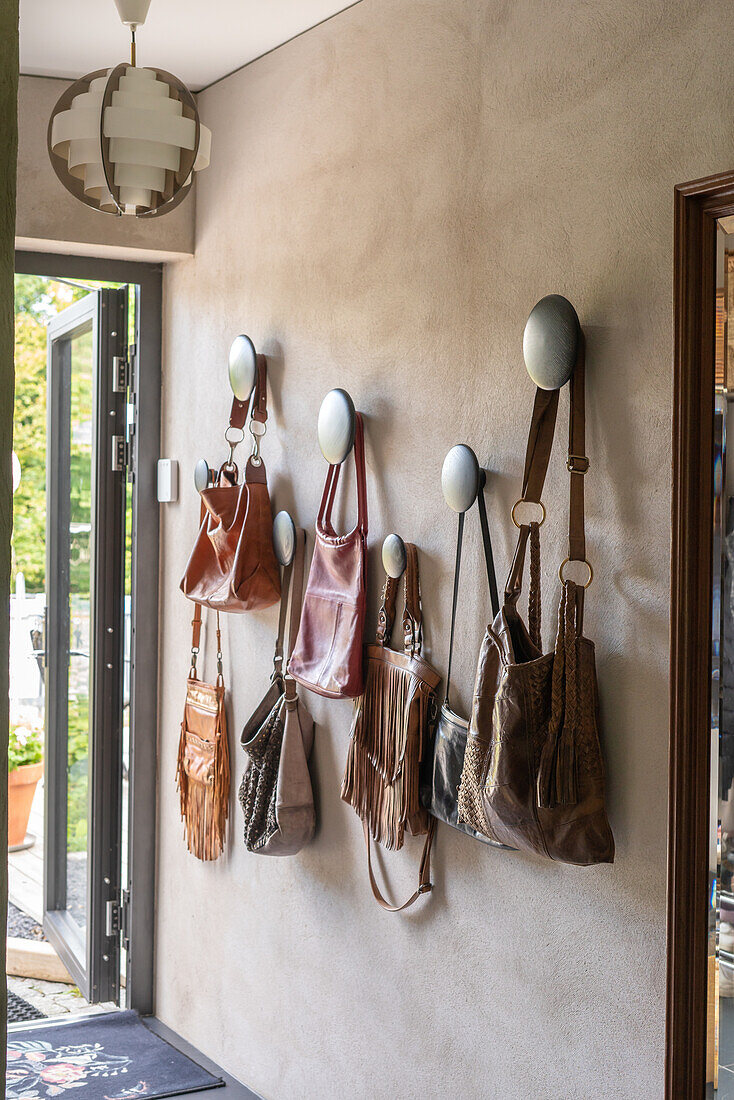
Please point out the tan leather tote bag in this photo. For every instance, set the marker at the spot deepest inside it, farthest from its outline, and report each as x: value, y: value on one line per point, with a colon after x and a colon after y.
x: 276, y: 794
x: 391, y: 734
x: 533, y: 775
x: 202, y: 771
x: 233, y: 565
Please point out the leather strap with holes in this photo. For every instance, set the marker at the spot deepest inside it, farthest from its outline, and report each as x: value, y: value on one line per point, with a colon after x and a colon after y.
x: 540, y: 443
x: 257, y: 400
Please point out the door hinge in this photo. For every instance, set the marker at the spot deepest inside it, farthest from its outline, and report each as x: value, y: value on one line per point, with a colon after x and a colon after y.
x: 117, y: 918
x: 120, y: 373
x: 120, y: 454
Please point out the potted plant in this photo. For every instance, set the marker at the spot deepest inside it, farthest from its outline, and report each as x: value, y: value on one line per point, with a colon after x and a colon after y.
x: 25, y: 768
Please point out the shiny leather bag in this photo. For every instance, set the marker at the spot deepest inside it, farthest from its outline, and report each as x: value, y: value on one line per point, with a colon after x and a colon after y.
x: 202, y: 771
x: 390, y: 734
x: 276, y: 794
x: 232, y: 566
x: 441, y: 771
x: 533, y: 774
x: 327, y: 657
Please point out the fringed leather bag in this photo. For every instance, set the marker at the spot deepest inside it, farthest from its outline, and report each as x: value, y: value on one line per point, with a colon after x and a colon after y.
x: 202, y: 772
x: 232, y: 566
x: 276, y: 794
x: 327, y: 657
x: 441, y: 772
x: 533, y: 774
x: 390, y: 734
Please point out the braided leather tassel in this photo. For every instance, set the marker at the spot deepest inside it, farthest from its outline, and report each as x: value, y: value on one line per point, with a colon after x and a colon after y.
x: 534, y: 607
x: 566, y: 786
x: 557, y: 778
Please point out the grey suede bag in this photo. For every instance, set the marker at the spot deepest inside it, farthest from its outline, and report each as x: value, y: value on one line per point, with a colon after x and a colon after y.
x: 276, y: 793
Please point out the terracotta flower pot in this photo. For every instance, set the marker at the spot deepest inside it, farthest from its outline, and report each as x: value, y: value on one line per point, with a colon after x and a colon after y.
x: 21, y: 789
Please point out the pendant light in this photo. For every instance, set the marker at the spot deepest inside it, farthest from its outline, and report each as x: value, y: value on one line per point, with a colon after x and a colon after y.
x: 128, y: 140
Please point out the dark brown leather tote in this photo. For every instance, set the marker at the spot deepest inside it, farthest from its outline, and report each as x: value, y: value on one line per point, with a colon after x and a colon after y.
x: 391, y: 734
x: 327, y: 657
x: 533, y: 775
x: 233, y: 565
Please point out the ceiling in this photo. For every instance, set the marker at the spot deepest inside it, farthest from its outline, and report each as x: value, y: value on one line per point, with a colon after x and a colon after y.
x: 199, y: 42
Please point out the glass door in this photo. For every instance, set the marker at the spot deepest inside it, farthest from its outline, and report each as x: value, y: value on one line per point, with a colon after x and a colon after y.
x: 85, y: 637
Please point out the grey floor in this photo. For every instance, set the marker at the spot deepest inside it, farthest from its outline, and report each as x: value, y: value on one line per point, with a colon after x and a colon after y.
x: 231, y: 1090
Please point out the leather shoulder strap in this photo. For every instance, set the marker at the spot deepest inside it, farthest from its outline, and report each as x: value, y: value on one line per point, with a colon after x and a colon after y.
x: 577, y: 462
x: 413, y: 611
x: 491, y: 577
x: 196, y: 621
x: 537, y: 456
x: 323, y: 521
x: 386, y: 614
x: 424, y: 872
x: 488, y: 555
x: 258, y: 401
x: 285, y: 588
x: 361, y: 476
x: 296, y: 593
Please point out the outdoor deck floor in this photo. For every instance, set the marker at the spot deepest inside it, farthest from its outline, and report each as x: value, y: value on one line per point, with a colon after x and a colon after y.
x: 25, y: 869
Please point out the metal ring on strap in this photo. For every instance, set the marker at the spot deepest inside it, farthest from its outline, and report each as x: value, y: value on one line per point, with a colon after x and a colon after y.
x: 537, y: 503
x: 566, y: 561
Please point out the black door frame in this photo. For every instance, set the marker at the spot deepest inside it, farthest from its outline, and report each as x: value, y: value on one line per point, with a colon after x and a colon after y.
x: 145, y: 558
x: 93, y: 959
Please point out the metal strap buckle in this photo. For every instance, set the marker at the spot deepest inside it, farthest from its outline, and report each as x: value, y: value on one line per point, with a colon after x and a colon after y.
x: 577, y: 464
x: 425, y: 888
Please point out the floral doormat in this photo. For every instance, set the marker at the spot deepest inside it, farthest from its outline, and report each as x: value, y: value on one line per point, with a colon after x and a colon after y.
x: 113, y: 1056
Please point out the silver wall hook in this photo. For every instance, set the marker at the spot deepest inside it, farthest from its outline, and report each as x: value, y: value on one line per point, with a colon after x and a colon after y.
x: 336, y: 426
x: 284, y: 537
x: 550, y: 342
x: 242, y: 367
x: 203, y: 477
x: 461, y: 478
x: 394, y: 556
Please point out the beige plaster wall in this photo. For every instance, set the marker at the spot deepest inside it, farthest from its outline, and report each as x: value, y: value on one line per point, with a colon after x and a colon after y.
x: 393, y: 192
x: 50, y: 219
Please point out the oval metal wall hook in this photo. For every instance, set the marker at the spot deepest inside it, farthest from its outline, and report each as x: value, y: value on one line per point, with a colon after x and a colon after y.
x: 336, y: 426
x: 461, y: 477
x: 394, y: 556
x: 203, y: 476
x: 550, y: 342
x: 242, y: 367
x: 284, y: 537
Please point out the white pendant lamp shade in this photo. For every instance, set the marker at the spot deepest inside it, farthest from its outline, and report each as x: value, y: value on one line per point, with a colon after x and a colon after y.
x: 128, y: 140
x: 133, y: 13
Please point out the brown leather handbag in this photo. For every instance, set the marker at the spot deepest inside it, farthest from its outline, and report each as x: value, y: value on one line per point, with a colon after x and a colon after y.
x: 233, y: 566
x: 533, y: 775
x: 391, y: 733
x: 276, y: 794
x: 202, y: 771
x: 327, y: 657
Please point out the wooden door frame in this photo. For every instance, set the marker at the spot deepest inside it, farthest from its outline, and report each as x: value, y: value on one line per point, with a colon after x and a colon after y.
x: 697, y: 207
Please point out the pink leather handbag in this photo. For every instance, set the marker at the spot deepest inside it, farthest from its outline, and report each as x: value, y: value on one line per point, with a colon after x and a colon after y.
x: 327, y: 657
